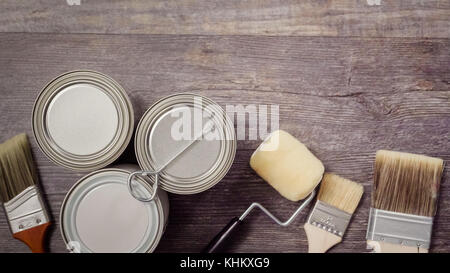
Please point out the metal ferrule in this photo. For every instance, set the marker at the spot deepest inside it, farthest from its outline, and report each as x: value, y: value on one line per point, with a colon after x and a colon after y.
x: 26, y: 210
x: 399, y: 228
x: 329, y: 218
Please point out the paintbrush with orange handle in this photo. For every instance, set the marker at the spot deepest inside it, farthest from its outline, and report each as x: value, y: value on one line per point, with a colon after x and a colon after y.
x: 22, y: 200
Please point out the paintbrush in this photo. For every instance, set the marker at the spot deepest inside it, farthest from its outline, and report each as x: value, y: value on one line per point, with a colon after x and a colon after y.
x: 337, y: 200
x: 404, y: 202
x: 20, y: 195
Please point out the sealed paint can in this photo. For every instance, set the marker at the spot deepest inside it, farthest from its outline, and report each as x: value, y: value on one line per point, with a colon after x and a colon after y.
x: 83, y: 120
x: 98, y: 213
x: 172, y: 141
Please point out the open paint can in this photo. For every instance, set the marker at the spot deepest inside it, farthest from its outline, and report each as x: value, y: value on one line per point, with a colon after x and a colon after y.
x: 185, y: 143
x: 83, y: 120
x: 99, y: 215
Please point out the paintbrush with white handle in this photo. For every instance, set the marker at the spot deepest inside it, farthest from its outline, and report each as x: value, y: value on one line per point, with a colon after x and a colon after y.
x: 338, y: 198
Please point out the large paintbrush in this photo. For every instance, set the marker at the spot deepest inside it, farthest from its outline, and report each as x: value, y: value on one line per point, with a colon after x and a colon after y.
x: 404, y: 202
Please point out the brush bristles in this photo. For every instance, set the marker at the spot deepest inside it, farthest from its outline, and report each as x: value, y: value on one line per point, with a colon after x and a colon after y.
x: 406, y: 183
x: 17, y: 171
x: 340, y: 193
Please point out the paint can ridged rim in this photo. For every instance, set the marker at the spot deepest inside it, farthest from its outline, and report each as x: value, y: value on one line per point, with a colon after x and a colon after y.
x: 210, y: 178
x: 161, y: 201
x: 123, y: 133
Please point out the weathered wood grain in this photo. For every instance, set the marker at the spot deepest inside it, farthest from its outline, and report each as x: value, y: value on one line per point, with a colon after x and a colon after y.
x: 343, y: 97
x: 363, y: 18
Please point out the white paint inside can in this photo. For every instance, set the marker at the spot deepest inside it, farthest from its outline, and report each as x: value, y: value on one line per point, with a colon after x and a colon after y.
x: 109, y: 219
x: 82, y: 119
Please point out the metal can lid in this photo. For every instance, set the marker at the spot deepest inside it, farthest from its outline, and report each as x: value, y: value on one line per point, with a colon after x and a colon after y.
x: 83, y: 120
x: 162, y: 133
x: 99, y: 214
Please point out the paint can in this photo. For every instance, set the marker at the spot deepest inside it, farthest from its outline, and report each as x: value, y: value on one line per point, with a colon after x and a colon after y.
x: 98, y: 213
x: 176, y: 151
x: 83, y: 120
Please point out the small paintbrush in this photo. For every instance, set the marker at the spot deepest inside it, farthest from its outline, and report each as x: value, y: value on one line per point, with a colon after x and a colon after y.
x: 404, y: 202
x: 22, y: 201
x: 337, y: 200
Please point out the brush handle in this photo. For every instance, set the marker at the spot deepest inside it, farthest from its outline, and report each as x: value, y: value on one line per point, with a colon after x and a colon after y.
x: 215, y: 243
x: 320, y: 240
x: 33, y: 237
x: 383, y: 247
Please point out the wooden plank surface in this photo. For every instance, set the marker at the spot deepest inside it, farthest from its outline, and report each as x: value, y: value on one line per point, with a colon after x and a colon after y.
x: 363, y: 18
x: 343, y: 97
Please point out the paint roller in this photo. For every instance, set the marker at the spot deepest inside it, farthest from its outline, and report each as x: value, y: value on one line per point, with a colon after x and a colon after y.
x: 290, y: 168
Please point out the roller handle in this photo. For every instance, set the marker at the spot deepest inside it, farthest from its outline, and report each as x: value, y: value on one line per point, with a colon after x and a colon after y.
x: 33, y: 237
x: 215, y: 243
